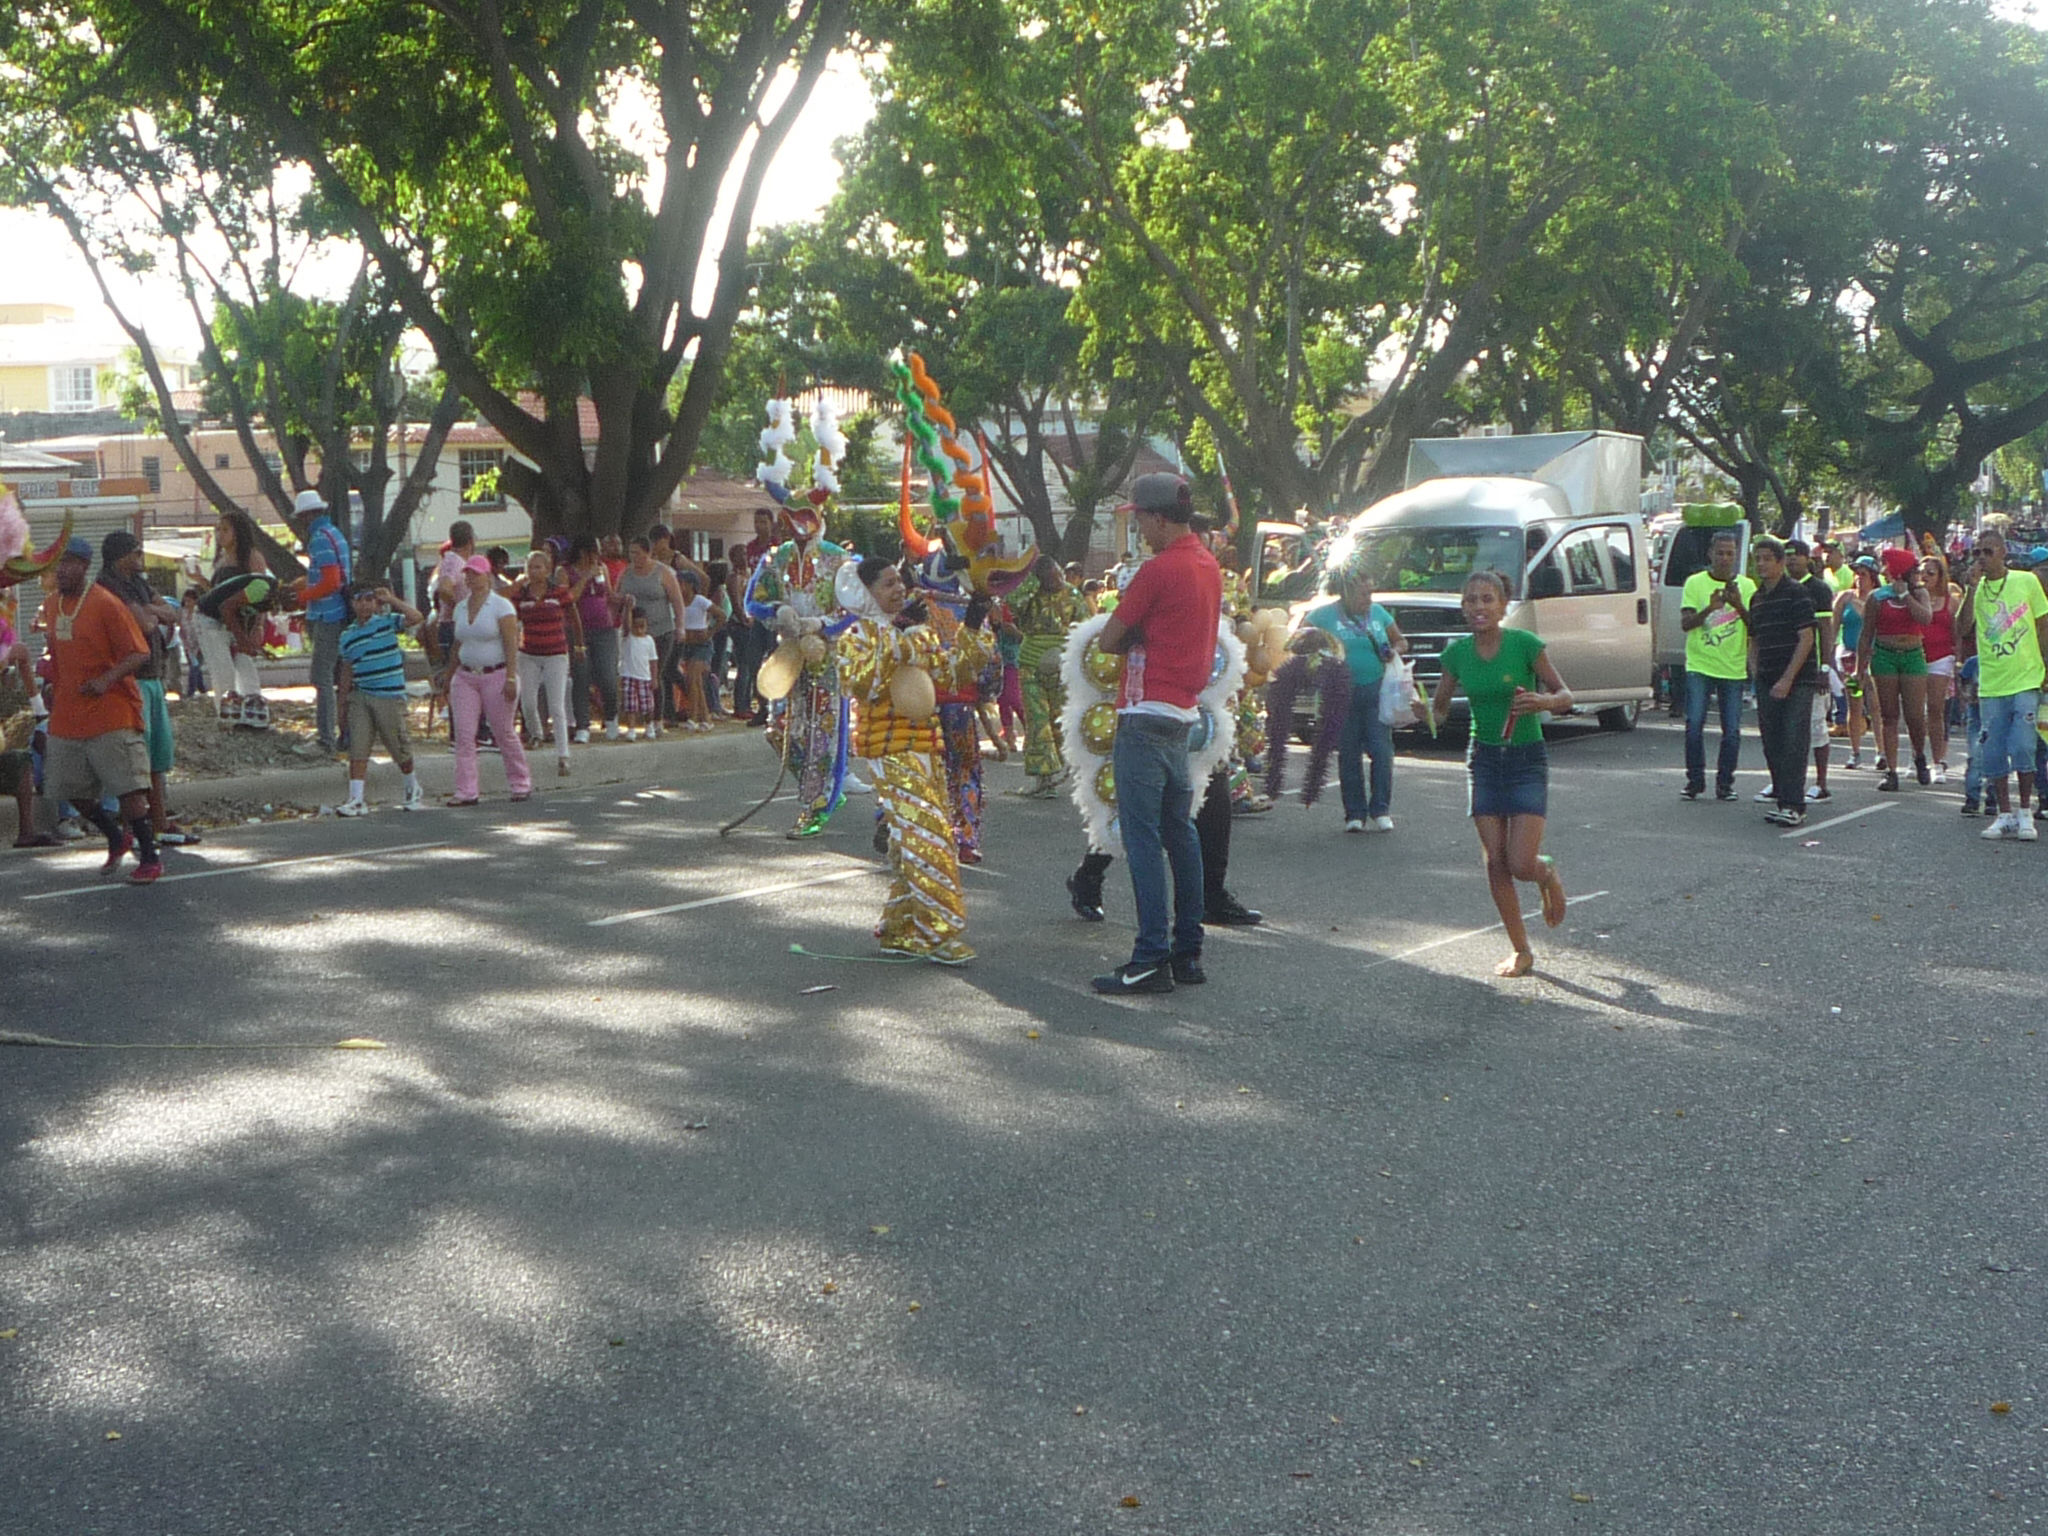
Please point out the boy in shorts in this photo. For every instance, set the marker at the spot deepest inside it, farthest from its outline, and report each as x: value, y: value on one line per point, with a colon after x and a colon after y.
x: 372, y: 692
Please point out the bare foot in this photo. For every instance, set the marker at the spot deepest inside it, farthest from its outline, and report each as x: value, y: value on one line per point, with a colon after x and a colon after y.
x: 1520, y: 963
x: 1553, y: 895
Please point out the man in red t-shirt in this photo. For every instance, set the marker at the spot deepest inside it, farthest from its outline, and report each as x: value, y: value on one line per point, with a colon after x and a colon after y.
x: 1165, y: 626
x: 96, y: 746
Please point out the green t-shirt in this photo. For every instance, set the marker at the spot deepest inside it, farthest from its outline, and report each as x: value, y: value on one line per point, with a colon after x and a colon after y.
x: 1489, y: 685
x: 2008, y: 645
x: 1720, y: 646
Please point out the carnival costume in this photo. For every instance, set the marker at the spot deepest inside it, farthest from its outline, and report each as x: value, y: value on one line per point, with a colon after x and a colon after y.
x: 1045, y: 613
x: 959, y: 719
x: 883, y: 670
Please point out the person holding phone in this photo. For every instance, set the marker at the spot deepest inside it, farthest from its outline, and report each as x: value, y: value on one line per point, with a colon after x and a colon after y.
x: 1715, y: 618
x: 1893, y: 650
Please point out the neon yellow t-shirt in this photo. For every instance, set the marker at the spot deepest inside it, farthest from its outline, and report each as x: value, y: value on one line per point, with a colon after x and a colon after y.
x: 1719, y: 647
x: 2008, y: 645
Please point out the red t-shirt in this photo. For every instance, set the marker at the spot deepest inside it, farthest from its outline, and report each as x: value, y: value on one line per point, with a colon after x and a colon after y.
x: 544, y: 623
x: 103, y: 633
x: 1172, y: 605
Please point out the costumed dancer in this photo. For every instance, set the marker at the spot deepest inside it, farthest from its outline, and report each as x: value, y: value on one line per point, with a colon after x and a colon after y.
x: 1047, y: 608
x: 953, y: 610
x: 892, y: 675
x: 791, y: 590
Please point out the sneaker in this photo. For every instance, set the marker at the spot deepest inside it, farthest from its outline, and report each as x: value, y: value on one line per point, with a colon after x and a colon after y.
x: 581, y: 738
x: 855, y: 785
x: 352, y: 808
x: 654, y: 733
x: 1691, y: 792
x: 1855, y: 763
x: 2006, y: 825
x: 611, y: 732
x: 1970, y: 808
x: 1154, y: 976
x: 1941, y: 773
x: 147, y: 874
x: 1889, y: 783
x: 2041, y: 813
x: 415, y: 799
x: 1383, y: 823
x: 1765, y: 796
x: 69, y: 831
x: 1785, y: 818
x: 117, y: 853
x: 1226, y: 911
x: 561, y: 767
x: 1087, y: 905
x: 1816, y: 792
x: 2025, y: 830
x: 1187, y: 971
x: 1354, y: 825
x: 1725, y: 794
x: 1921, y: 772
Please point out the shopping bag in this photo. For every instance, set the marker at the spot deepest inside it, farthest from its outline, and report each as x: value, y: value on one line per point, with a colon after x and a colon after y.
x: 1401, y: 703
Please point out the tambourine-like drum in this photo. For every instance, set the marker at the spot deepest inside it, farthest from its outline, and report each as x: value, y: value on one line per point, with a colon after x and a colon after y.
x: 778, y: 674
x: 912, y: 694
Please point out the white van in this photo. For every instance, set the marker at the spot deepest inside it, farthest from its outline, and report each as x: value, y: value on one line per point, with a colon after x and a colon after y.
x: 1684, y: 557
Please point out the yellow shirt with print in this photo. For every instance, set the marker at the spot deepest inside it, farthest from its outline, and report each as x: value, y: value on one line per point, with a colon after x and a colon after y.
x: 1719, y: 646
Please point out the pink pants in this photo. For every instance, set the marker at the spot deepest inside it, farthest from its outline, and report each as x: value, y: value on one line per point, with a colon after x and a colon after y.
x: 482, y: 694
x: 1011, y: 700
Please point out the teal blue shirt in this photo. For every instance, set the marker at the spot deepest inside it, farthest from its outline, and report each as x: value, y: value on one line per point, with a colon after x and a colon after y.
x: 1362, y: 639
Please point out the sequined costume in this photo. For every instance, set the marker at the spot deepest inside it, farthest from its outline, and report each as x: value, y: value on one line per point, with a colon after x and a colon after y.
x: 925, y: 912
x: 1045, y: 613
x: 791, y: 588
x: 960, y: 734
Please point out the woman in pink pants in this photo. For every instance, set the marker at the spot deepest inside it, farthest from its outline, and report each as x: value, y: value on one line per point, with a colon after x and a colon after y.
x: 482, y: 683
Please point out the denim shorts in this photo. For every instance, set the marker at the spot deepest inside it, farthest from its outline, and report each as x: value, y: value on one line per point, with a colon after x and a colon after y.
x: 1509, y: 781
x: 2005, y: 738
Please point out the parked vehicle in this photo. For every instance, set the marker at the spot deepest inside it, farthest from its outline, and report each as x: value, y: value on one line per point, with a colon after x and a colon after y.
x: 1683, y: 557
x: 1556, y: 514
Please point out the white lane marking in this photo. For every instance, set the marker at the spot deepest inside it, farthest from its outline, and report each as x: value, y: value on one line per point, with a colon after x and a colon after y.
x: 1471, y: 933
x: 241, y: 869
x: 715, y: 901
x: 1836, y: 821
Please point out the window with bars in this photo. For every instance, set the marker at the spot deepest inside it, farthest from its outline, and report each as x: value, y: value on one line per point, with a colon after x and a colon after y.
x: 153, y: 472
x: 477, y: 471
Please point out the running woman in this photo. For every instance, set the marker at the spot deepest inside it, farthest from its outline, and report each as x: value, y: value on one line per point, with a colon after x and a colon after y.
x: 1508, y: 680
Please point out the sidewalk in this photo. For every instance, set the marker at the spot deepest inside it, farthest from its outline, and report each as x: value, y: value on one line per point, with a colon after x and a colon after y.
x: 304, y: 790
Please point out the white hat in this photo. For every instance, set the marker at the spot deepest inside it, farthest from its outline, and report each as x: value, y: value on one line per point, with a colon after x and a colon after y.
x: 309, y: 501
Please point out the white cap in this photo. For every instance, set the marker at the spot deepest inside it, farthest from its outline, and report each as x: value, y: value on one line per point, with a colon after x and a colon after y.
x: 309, y: 501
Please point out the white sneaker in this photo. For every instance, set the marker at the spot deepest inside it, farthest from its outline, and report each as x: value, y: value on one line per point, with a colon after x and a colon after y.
x: 1383, y: 823
x: 855, y: 785
x: 352, y: 808
x: 2003, y: 826
x: 581, y: 738
x: 1941, y: 773
x: 654, y: 733
x: 611, y: 732
x: 2024, y: 829
x: 415, y: 797
x: 1764, y: 795
x: 1354, y: 826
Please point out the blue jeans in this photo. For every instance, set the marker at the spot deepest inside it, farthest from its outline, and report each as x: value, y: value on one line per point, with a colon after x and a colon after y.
x: 2005, y: 737
x: 325, y: 635
x: 1153, y: 802
x: 1727, y: 691
x: 1365, y: 733
x: 1973, y: 770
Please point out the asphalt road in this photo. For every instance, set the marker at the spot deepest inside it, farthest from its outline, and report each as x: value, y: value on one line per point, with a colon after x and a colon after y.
x: 634, y: 1228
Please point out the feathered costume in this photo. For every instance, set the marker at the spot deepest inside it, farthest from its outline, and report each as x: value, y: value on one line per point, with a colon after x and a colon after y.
x: 792, y: 590
x: 925, y: 913
x: 1092, y: 676
x: 1046, y: 614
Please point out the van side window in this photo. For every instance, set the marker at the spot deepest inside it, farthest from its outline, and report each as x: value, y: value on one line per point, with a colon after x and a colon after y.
x: 1621, y: 557
x: 1580, y: 556
x: 1688, y: 556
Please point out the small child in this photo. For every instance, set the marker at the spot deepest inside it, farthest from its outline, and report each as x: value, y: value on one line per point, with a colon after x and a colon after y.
x: 636, y: 679
x: 371, y: 692
x: 696, y: 646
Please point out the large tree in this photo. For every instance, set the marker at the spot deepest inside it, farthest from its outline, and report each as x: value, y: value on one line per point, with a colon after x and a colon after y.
x: 556, y: 195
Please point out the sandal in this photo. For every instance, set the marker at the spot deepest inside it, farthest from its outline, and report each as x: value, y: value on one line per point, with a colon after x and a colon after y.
x: 458, y: 805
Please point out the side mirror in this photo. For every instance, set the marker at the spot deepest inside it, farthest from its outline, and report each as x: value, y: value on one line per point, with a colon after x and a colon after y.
x: 1546, y: 580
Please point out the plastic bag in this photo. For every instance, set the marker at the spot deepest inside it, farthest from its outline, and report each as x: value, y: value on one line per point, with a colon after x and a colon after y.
x: 1401, y: 703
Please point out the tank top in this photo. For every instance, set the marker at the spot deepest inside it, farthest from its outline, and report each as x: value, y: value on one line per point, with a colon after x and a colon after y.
x: 651, y: 596
x: 1941, y: 634
x: 1852, y: 627
x: 1895, y: 620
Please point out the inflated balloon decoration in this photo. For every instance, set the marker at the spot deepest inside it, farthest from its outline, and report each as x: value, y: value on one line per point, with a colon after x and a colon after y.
x: 17, y: 562
x: 962, y: 511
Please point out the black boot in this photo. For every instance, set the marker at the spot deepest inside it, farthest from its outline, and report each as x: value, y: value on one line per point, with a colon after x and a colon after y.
x: 1084, y: 886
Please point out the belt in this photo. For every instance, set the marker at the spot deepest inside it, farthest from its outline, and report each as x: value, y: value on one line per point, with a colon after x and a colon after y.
x: 484, y: 671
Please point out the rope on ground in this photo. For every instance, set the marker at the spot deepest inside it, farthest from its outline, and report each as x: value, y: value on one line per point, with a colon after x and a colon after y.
x: 23, y: 1037
x: 812, y: 954
x: 773, y: 790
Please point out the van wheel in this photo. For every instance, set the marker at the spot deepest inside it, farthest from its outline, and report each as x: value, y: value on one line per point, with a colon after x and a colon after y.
x: 1620, y: 718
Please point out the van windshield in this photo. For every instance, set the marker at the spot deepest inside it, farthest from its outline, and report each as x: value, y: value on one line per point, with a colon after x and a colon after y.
x: 1439, y: 559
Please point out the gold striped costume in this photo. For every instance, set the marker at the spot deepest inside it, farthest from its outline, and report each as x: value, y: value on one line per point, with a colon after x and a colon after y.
x: 925, y: 913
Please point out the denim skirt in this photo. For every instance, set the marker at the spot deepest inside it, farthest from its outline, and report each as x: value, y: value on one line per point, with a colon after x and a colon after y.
x: 1509, y: 781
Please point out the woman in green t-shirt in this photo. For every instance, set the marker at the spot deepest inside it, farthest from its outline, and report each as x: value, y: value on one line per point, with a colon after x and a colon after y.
x: 1499, y: 671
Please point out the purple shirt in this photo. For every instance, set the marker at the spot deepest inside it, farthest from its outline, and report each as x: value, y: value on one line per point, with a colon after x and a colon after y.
x: 595, y: 605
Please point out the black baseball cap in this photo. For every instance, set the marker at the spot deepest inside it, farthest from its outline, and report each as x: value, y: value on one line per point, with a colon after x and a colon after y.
x: 1167, y: 495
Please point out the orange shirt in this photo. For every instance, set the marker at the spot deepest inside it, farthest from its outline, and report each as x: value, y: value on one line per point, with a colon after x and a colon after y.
x: 103, y: 634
